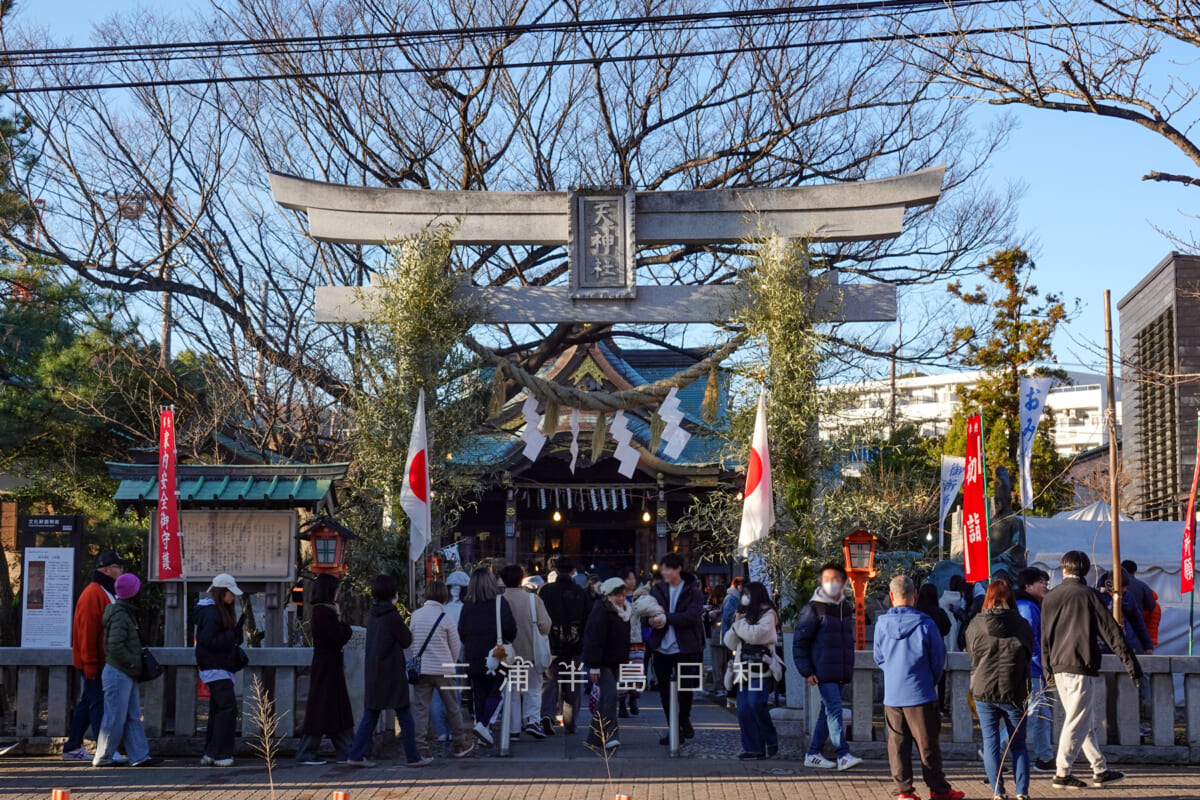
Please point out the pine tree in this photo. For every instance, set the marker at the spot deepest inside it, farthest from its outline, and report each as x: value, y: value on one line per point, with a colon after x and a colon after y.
x: 1015, y: 342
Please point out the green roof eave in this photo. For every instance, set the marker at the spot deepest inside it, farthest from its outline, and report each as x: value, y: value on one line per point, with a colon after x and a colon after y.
x: 274, y: 486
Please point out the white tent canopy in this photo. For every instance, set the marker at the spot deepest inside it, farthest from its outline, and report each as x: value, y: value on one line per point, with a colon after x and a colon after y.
x: 1156, y: 547
x: 1097, y: 511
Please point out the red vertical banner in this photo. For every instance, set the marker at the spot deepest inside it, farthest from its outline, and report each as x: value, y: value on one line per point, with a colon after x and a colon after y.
x: 976, y: 560
x: 1188, y: 573
x: 170, y: 560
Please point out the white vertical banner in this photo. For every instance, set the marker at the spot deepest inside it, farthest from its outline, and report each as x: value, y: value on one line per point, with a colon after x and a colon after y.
x: 758, y: 500
x: 1032, y: 401
x: 954, y: 468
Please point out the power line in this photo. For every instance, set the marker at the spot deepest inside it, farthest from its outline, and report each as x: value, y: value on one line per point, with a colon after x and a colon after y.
x: 594, y: 25
x: 555, y: 62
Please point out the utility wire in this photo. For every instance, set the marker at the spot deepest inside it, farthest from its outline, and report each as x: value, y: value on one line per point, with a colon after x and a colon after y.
x: 554, y: 62
x: 865, y: 9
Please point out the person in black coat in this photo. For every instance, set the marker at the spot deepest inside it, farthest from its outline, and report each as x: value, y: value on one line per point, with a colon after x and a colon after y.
x: 568, y: 607
x: 328, y: 711
x: 679, y: 641
x: 385, y: 676
x: 823, y: 651
x: 477, y: 629
x: 1000, y: 642
x: 218, y: 656
x: 605, y: 649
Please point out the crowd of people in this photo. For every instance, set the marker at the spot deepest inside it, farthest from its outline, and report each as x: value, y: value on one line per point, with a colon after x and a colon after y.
x: 558, y: 643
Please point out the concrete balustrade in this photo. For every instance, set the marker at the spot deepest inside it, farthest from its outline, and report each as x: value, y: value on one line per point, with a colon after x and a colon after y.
x: 41, y: 687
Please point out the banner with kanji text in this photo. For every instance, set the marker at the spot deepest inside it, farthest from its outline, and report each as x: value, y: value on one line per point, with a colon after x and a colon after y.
x: 1187, y: 574
x: 976, y: 560
x: 170, y: 556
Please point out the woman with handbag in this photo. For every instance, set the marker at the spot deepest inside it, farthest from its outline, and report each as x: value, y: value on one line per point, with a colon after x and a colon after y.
x: 487, y: 628
x: 431, y: 670
x: 533, y: 623
x: 218, y: 656
x: 328, y: 711
x: 752, y: 637
x: 120, y: 676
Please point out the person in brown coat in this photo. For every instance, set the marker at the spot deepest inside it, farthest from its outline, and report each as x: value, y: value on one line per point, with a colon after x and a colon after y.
x: 328, y: 711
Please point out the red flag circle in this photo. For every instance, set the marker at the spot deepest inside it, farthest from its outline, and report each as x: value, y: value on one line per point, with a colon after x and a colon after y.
x: 754, y: 472
x: 416, y: 477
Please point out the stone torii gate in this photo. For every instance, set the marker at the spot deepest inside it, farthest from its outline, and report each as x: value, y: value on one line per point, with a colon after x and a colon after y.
x: 602, y: 228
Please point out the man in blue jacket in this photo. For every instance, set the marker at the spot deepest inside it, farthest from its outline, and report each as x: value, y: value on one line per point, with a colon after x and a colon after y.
x: 1031, y: 590
x: 823, y: 650
x: 912, y: 654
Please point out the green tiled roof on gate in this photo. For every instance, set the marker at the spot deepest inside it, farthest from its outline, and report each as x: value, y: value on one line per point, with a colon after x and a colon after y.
x: 242, y: 485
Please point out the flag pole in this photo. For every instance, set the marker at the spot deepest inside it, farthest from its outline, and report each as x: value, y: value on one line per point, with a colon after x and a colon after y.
x: 1114, y: 500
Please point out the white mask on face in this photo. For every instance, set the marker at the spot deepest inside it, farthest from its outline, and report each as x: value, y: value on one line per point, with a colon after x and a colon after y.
x: 454, y: 592
x: 745, y: 599
x: 831, y: 588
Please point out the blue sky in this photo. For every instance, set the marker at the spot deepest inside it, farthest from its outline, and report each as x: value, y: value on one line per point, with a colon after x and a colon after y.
x: 1085, y: 207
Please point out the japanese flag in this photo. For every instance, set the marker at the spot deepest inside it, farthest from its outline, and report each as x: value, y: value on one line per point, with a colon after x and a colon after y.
x: 758, y: 501
x: 414, y: 493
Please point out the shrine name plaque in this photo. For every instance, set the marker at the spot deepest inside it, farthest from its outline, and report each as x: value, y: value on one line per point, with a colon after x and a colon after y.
x: 601, y: 244
x: 250, y: 545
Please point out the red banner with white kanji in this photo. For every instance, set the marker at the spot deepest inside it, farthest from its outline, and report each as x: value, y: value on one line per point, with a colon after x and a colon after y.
x: 1188, y: 573
x: 976, y: 560
x: 170, y: 558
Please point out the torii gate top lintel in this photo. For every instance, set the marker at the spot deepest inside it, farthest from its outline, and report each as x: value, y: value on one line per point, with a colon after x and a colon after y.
x: 861, y: 210
x: 602, y: 228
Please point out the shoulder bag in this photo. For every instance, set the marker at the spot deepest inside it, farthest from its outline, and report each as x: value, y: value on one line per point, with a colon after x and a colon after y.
x: 151, y: 669
x: 541, y: 642
x: 413, y: 665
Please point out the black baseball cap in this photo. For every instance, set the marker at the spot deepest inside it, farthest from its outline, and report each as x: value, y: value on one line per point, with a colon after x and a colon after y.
x: 110, y: 557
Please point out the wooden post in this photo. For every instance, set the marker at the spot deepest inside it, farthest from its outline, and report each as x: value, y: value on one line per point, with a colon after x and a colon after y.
x: 1113, y: 489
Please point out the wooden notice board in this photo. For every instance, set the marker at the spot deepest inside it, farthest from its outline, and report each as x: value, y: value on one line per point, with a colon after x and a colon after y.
x: 250, y: 545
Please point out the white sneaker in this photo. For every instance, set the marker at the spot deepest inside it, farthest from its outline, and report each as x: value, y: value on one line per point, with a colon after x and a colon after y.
x: 207, y: 761
x: 848, y: 762
x: 612, y: 744
x: 78, y: 754
x: 483, y: 733
x: 819, y: 762
x: 223, y: 762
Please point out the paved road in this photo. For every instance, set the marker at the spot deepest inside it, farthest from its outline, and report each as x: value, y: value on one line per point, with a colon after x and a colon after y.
x: 558, y: 768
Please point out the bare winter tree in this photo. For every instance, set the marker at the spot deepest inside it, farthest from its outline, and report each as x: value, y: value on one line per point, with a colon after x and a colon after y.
x: 1123, y: 61
x: 160, y: 188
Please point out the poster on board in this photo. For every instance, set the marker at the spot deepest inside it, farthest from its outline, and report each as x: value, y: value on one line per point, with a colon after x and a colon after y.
x: 46, y: 597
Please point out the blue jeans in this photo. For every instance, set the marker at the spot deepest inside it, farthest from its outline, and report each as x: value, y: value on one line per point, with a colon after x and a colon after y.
x: 122, y: 719
x: 993, y: 719
x: 829, y: 722
x: 754, y: 718
x: 1038, y: 713
x: 366, y: 730
x: 88, y: 711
